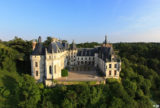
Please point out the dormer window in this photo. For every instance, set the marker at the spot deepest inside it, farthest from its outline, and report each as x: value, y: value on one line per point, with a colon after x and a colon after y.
x: 115, y: 66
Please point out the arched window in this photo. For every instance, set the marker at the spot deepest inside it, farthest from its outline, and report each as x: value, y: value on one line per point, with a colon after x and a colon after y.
x: 50, y: 69
x: 36, y: 73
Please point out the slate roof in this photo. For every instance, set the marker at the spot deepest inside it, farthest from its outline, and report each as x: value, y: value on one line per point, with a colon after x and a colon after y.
x: 39, y: 49
x: 57, y: 47
x: 103, y: 52
x: 86, y: 52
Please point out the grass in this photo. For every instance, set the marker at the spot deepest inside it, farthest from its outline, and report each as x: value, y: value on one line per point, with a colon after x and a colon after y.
x: 79, y: 82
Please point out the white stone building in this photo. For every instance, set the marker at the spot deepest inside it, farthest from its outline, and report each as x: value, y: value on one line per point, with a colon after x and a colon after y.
x: 47, y: 63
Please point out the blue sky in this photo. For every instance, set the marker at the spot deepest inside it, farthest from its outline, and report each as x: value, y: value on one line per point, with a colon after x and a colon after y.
x: 81, y: 20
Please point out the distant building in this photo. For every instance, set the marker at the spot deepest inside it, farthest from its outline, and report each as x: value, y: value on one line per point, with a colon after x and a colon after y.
x: 47, y: 63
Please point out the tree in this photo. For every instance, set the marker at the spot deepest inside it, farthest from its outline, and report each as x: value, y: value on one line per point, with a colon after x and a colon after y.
x: 130, y: 87
x: 95, y: 95
x: 29, y: 93
x: 48, y: 41
x: 64, y: 72
x: 117, y: 103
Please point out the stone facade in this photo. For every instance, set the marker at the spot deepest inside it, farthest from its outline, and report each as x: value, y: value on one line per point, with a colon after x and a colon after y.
x: 47, y: 63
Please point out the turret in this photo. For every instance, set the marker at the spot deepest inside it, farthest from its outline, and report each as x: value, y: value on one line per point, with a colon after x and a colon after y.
x: 73, y: 46
x: 106, y: 43
x: 39, y: 39
x: 37, y: 60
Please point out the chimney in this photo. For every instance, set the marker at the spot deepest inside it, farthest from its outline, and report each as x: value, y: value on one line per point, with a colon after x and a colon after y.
x: 54, y: 39
x: 34, y: 45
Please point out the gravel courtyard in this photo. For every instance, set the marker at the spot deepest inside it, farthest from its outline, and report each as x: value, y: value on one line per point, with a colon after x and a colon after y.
x: 82, y: 76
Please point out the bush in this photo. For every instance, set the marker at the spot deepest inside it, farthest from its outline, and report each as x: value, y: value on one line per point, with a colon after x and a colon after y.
x: 64, y: 72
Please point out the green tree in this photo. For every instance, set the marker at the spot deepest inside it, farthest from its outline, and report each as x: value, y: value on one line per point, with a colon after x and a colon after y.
x: 29, y: 93
x: 64, y: 72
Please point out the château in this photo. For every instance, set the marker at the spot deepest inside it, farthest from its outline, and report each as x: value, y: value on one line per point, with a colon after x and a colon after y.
x: 47, y: 62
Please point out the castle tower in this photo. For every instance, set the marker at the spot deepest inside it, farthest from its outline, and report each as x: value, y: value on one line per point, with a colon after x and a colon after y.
x: 37, y: 60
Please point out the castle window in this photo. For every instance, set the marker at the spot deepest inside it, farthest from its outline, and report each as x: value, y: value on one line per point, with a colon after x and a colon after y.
x: 110, y: 72
x: 86, y: 58
x: 55, y: 69
x: 115, y: 66
x: 81, y: 58
x: 36, y: 73
x: 81, y: 62
x: 50, y: 69
x: 110, y: 65
x: 115, y: 72
x: 36, y: 64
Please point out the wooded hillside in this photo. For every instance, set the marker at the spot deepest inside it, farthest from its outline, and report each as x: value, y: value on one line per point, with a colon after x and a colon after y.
x: 139, y: 86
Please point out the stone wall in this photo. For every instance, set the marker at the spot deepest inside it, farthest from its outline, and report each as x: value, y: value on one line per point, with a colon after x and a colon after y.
x: 37, y: 67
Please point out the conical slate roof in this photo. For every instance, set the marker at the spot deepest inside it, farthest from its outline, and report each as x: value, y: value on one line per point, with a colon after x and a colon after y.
x: 73, y: 46
x: 39, y: 49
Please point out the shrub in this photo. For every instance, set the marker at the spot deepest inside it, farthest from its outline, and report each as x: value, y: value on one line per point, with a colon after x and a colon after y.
x: 64, y: 72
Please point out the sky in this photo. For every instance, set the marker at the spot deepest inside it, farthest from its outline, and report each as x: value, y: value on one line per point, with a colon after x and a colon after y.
x: 81, y: 20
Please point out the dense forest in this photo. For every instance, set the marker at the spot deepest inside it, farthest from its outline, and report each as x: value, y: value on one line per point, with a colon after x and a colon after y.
x: 139, y: 86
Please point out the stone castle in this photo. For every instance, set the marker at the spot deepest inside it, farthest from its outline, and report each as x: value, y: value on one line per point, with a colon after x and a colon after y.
x: 47, y: 63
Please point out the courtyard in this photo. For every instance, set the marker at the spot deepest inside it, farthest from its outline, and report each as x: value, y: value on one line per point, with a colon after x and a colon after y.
x: 82, y: 74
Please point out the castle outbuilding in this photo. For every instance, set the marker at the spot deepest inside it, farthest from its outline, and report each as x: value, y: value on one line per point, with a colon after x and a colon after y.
x: 47, y: 63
